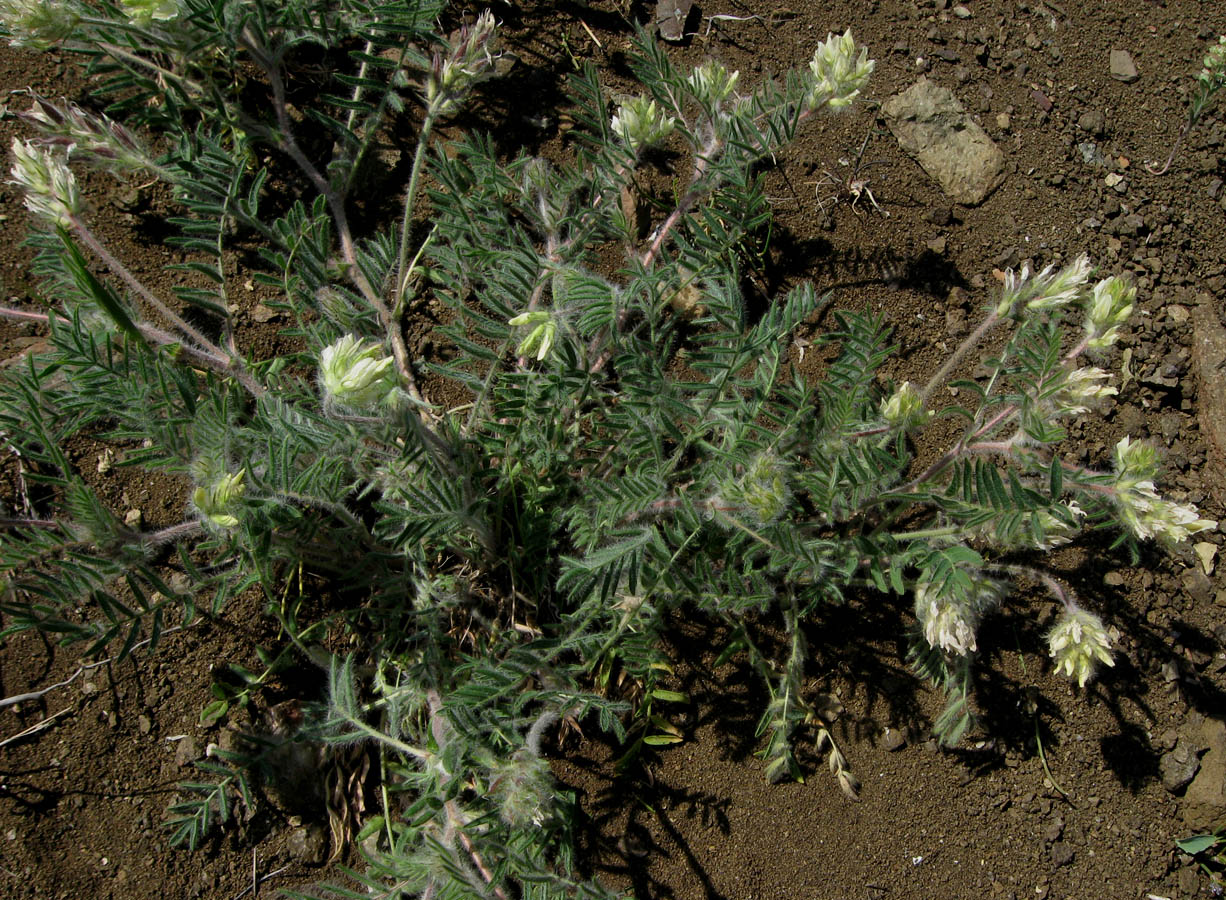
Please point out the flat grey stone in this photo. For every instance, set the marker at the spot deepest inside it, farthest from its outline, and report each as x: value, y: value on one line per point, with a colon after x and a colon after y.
x: 933, y: 128
x: 1122, y: 67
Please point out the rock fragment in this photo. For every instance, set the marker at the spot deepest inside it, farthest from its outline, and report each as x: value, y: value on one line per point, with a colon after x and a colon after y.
x: 1208, y: 364
x: 933, y: 128
x: 1204, y: 806
x: 1178, y: 767
x: 1122, y: 67
x: 893, y: 740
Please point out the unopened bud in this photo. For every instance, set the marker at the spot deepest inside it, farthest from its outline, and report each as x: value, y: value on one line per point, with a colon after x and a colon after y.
x: 218, y: 501
x: 1111, y: 303
x: 37, y: 23
x: 468, y: 60
x: 904, y: 409
x: 523, y: 786
x: 540, y: 339
x: 712, y: 83
x: 762, y: 490
x: 146, y: 12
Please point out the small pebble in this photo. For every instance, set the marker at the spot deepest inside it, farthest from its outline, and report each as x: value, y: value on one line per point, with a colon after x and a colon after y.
x: 892, y: 739
x: 1122, y: 67
x: 1062, y: 854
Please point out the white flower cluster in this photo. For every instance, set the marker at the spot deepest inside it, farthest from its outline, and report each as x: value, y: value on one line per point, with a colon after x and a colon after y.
x: 356, y: 375
x: 950, y: 613
x: 640, y: 123
x: 839, y: 73
x: 712, y: 83
x: 49, y: 185
x: 37, y: 24
x: 1147, y: 514
x: 1078, y: 642
x: 1082, y: 389
x: 469, y: 59
x: 1050, y: 289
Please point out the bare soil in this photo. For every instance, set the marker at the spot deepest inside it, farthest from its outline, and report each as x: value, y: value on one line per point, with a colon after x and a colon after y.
x: 1059, y: 795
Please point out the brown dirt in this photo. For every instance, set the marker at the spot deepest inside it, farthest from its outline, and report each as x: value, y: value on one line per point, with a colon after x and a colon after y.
x: 80, y: 802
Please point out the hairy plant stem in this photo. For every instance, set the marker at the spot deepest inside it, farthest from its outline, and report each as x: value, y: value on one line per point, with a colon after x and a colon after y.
x: 956, y: 358
x: 158, y: 337
x: 456, y: 819
x: 401, y: 277
x: 336, y: 204
x: 190, y: 88
x: 81, y: 230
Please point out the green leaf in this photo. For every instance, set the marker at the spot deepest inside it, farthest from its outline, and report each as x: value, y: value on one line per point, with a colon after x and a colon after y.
x: 214, y: 711
x: 1197, y: 843
x: 659, y: 740
x: 669, y: 696
x: 96, y: 290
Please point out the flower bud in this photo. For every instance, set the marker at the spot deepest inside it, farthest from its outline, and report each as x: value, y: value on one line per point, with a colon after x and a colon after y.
x: 950, y: 612
x: 712, y: 83
x: 37, y: 23
x: 96, y: 138
x: 640, y: 123
x: 523, y: 786
x: 218, y: 501
x: 1214, y: 72
x: 763, y: 489
x: 51, y: 189
x: 904, y: 409
x: 838, y: 73
x: 1078, y: 642
x: 542, y: 336
x: 356, y: 375
x: 1134, y: 462
x: 145, y: 12
x: 1110, y: 305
